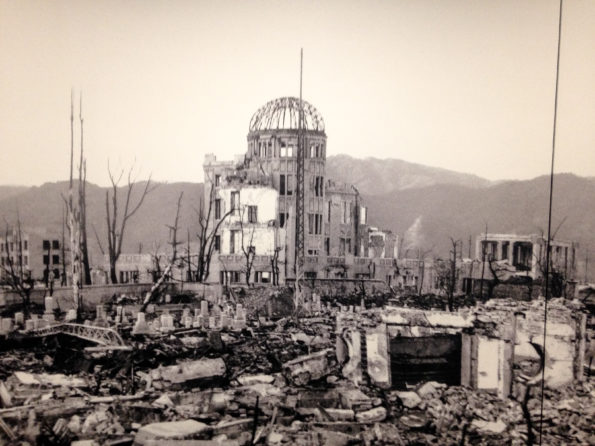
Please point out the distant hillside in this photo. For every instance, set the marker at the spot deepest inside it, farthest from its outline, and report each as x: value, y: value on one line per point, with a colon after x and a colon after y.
x: 444, y: 211
x: 427, y: 215
x: 377, y: 176
x: 41, y: 210
x: 10, y: 191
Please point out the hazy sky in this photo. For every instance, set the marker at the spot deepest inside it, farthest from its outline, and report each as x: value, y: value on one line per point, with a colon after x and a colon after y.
x: 464, y: 85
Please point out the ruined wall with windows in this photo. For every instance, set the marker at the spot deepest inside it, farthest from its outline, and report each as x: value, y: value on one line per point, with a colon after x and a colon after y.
x: 36, y: 253
x: 334, y: 221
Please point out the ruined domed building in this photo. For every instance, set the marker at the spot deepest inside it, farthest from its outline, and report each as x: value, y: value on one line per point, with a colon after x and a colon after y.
x: 255, y: 202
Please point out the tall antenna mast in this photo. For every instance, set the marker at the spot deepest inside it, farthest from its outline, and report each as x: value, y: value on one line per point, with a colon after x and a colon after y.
x: 299, y: 226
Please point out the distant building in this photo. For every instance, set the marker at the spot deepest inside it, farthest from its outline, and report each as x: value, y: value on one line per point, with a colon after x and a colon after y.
x: 261, y: 188
x: 526, y: 254
x: 37, y: 254
x: 517, y: 256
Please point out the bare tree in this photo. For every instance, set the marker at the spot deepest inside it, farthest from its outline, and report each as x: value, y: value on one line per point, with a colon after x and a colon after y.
x: 64, y: 275
x: 116, y: 226
x: 82, y: 202
x: 188, y: 259
x: 73, y: 224
x: 248, y: 248
x: 453, y: 273
x: 174, y: 231
x: 483, y: 260
x: 174, y: 243
x: 14, y: 273
x: 208, y: 225
x: 156, y: 259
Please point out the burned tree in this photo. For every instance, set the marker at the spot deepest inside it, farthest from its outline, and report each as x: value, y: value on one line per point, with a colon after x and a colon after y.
x: 14, y: 274
x: 82, y: 200
x: 209, y: 222
x: 248, y: 249
x: 173, y: 230
x: 447, y: 274
x: 74, y: 224
x: 116, y: 227
x: 165, y: 276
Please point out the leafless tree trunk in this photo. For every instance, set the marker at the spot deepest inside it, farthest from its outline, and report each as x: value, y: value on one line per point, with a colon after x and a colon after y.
x: 249, y: 251
x: 174, y: 231
x: 206, y: 235
x: 116, y: 227
x: 188, y: 258
x: 64, y: 278
x: 174, y: 243
x: 453, y: 274
x: 83, y: 205
x: 73, y: 224
x: 483, y: 261
x: 14, y: 272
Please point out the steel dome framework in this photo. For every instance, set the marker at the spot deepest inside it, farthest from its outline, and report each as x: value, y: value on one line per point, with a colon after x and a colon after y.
x: 284, y: 114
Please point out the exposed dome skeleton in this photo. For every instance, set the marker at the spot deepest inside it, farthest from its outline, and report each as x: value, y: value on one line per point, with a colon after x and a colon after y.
x: 284, y: 114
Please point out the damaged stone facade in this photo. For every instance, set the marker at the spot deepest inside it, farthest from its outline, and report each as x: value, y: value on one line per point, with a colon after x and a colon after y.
x: 337, y: 240
x: 513, y: 263
x: 486, y: 347
x: 37, y: 254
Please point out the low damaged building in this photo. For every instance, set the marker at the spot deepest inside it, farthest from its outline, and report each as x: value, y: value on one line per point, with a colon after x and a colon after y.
x: 515, y: 259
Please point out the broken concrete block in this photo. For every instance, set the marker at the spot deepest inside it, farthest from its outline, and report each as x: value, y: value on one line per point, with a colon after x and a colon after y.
x: 355, y: 399
x: 305, y: 368
x: 163, y: 401
x: 169, y: 430
x: 340, y: 414
x: 375, y: 415
x: 5, y: 396
x: 74, y: 425
x: 409, y: 399
x: 247, y: 380
x: 274, y: 438
x: 414, y: 421
x: 26, y: 378
x: 189, y: 371
x: 429, y: 388
x: 489, y: 427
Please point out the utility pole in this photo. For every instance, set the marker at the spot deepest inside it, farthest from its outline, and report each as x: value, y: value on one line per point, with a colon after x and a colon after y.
x: 483, y: 262
x: 586, y: 264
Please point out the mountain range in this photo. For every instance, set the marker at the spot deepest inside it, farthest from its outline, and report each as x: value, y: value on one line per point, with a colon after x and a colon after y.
x: 425, y: 206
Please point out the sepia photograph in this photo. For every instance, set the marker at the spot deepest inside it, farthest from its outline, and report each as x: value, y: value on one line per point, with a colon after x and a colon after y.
x: 297, y: 222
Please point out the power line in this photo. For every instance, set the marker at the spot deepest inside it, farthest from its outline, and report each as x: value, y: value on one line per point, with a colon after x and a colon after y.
x: 549, y: 224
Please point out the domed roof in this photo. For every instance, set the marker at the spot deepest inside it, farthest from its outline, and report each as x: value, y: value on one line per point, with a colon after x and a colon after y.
x: 284, y: 113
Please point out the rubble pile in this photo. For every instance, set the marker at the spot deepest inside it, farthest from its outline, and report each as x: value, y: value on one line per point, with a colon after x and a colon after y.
x: 230, y: 376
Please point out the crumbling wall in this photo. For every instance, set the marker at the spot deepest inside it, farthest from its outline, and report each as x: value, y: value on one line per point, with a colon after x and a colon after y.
x: 342, y: 287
